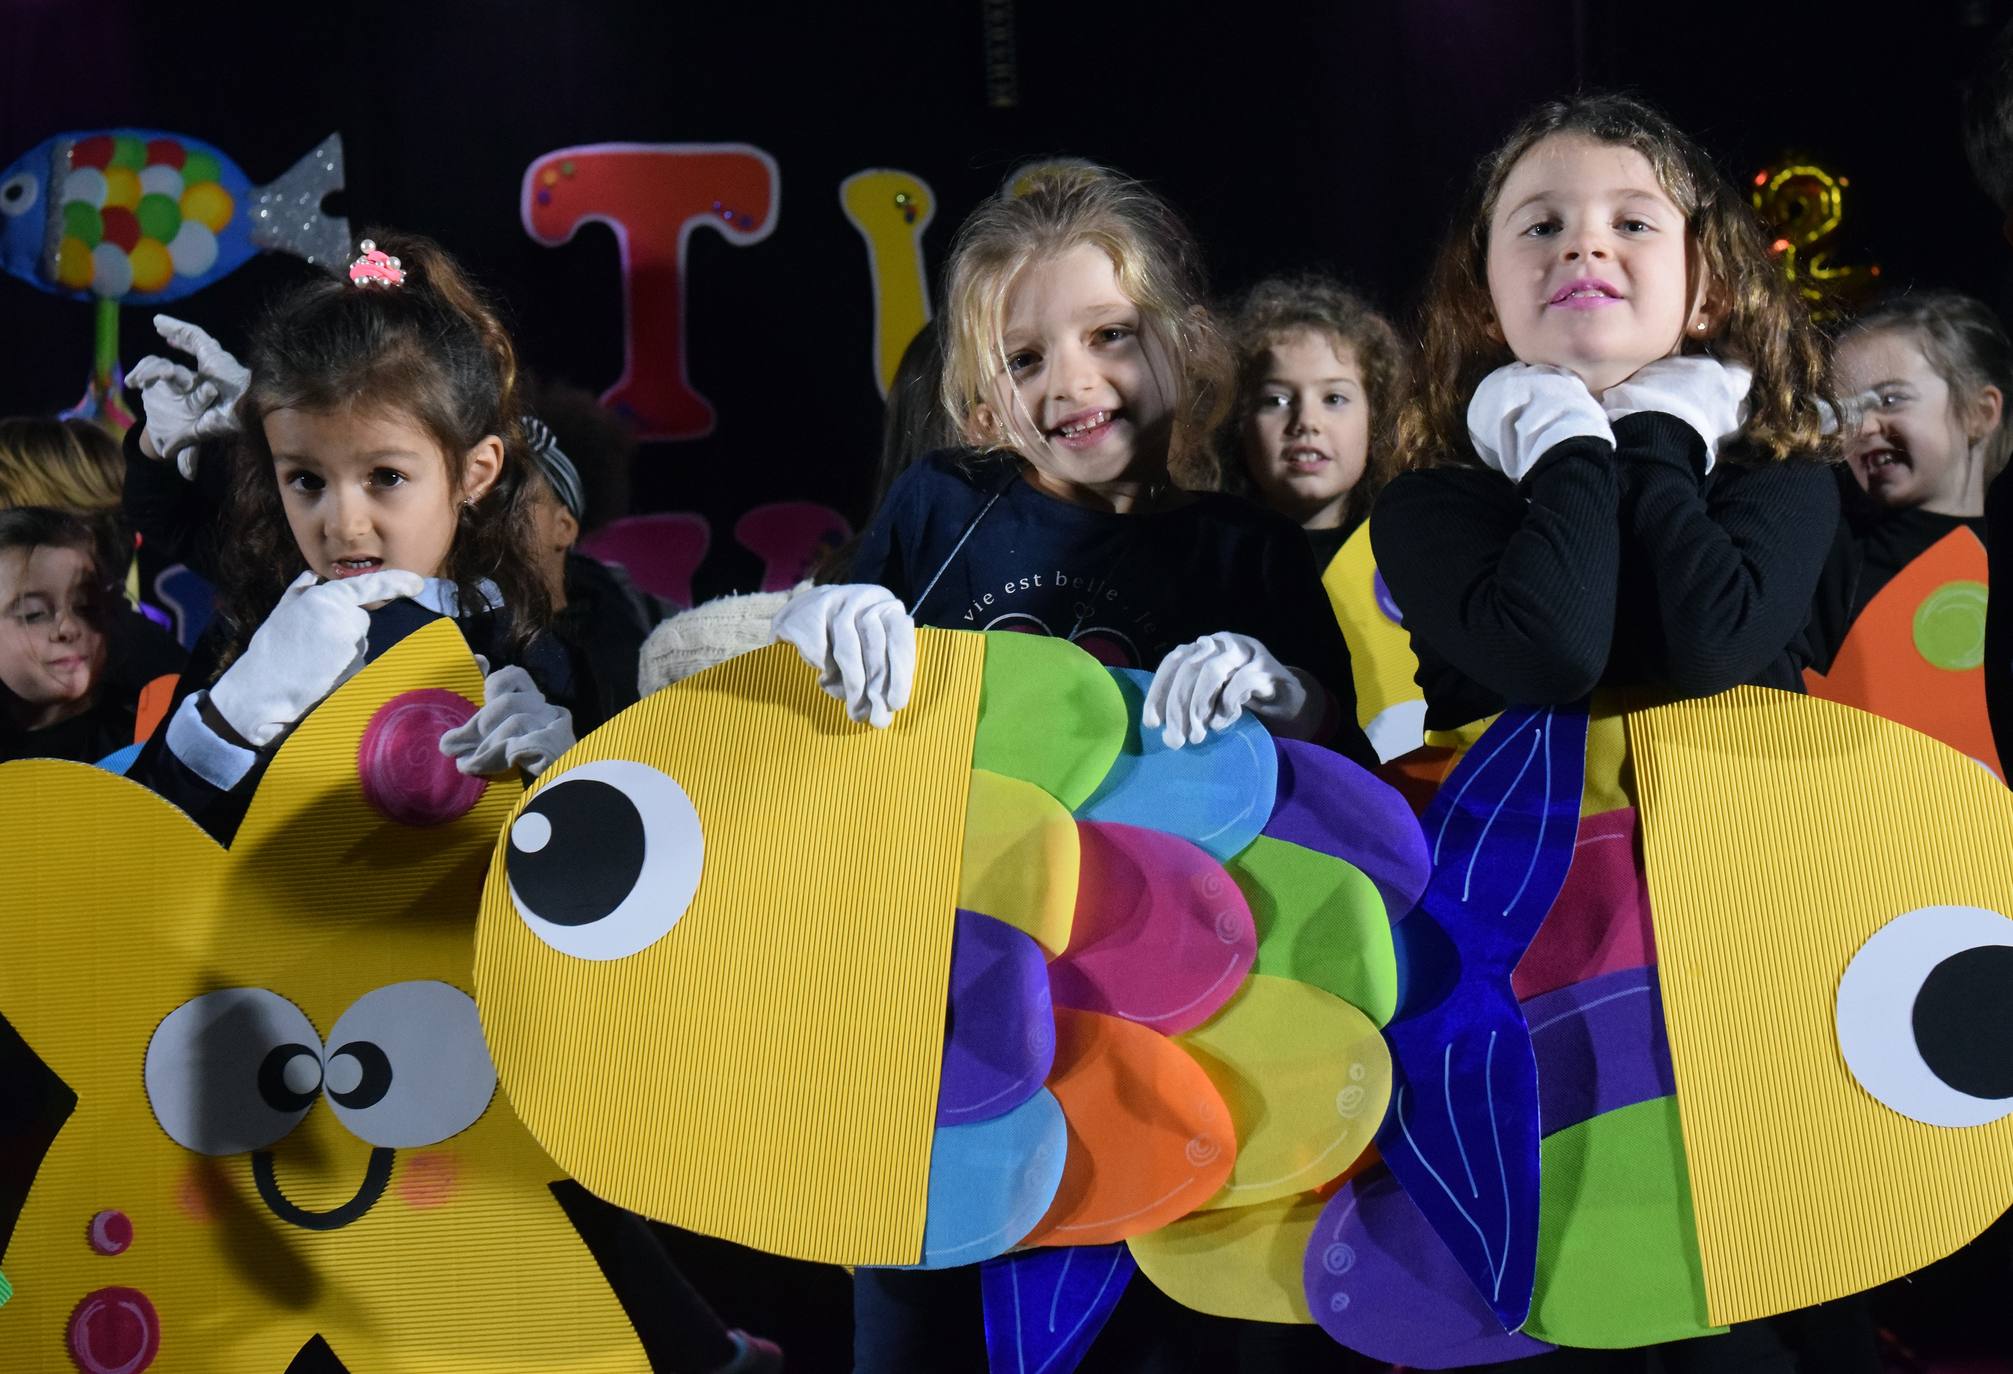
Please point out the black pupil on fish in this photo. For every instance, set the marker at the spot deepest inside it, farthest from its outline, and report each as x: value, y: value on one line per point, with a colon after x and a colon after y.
x: 1963, y: 1021
x: 591, y: 860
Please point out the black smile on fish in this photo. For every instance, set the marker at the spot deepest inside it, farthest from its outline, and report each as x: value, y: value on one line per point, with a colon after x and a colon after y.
x: 375, y: 1176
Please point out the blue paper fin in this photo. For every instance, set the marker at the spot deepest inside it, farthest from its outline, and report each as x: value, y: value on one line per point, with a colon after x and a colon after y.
x: 1462, y: 1134
x: 991, y: 1182
x: 1045, y: 1306
x: 1217, y: 794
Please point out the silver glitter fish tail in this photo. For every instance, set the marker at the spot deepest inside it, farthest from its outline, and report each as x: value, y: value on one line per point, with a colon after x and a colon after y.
x: 52, y: 221
x: 287, y: 214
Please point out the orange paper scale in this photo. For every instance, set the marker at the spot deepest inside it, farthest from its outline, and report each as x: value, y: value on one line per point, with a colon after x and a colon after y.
x: 1150, y: 1139
x: 1882, y: 669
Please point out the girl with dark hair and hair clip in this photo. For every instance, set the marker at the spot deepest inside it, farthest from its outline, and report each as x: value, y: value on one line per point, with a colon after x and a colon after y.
x: 1610, y: 483
x: 380, y: 480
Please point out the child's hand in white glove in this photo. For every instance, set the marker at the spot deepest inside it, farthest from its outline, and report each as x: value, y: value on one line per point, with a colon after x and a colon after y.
x: 1205, y: 686
x: 310, y: 645
x: 1705, y: 393
x: 860, y: 639
x: 185, y: 408
x: 1520, y: 412
x: 516, y: 727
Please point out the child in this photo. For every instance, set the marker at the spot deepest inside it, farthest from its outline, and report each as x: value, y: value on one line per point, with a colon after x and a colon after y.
x: 1928, y: 377
x: 380, y: 483
x: 1607, y: 481
x: 74, y: 466
x: 1593, y: 496
x: 1320, y: 380
x: 1082, y: 368
x: 55, y: 600
x: 600, y: 620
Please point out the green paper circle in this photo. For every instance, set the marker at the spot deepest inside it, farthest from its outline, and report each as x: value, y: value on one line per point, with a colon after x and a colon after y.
x: 201, y: 167
x: 160, y: 218
x: 81, y: 220
x: 1950, y: 626
x: 128, y: 151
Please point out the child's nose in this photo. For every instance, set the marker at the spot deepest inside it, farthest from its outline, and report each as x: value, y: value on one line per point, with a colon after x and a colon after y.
x: 349, y: 515
x: 1583, y: 245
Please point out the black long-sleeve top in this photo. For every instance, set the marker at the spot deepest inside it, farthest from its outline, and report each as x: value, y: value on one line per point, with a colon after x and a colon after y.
x: 1622, y: 565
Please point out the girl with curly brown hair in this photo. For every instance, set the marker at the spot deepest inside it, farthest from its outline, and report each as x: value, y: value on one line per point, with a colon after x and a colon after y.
x: 1608, y: 475
x: 1321, y: 378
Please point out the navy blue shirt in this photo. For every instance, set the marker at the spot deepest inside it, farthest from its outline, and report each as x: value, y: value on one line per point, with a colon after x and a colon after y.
x: 967, y: 543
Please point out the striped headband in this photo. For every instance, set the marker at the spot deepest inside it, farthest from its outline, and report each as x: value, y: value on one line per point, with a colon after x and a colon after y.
x: 557, y: 468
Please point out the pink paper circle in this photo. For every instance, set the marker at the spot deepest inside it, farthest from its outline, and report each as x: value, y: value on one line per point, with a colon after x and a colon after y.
x: 405, y: 776
x: 111, y: 1232
x: 114, y: 1331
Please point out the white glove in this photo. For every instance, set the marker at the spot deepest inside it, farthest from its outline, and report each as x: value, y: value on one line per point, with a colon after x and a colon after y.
x: 516, y: 727
x: 185, y: 408
x: 1207, y: 685
x: 1705, y: 393
x: 1519, y: 412
x: 310, y: 645
x: 860, y: 639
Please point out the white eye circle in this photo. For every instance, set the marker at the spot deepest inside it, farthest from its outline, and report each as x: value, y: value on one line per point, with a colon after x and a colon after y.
x: 18, y: 194
x: 1925, y: 1015
x: 233, y: 1071
x: 407, y: 1066
x: 604, y: 862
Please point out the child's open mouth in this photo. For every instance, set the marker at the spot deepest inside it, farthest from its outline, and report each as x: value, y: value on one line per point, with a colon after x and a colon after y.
x: 354, y: 567
x: 1086, y: 429
x: 1885, y: 463
x: 1305, y: 459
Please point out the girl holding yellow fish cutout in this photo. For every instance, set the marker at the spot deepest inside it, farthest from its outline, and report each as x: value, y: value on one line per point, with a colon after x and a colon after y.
x: 1082, y: 367
x: 1608, y: 485
x: 383, y: 483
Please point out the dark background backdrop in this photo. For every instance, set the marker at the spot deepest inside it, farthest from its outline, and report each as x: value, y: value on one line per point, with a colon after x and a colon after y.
x: 1316, y: 135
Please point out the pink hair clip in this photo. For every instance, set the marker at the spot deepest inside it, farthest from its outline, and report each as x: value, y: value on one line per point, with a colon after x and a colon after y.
x: 375, y: 269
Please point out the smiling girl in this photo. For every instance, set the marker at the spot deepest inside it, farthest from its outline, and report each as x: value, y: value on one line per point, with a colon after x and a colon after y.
x: 1928, y: 376
x: 1085, y: 376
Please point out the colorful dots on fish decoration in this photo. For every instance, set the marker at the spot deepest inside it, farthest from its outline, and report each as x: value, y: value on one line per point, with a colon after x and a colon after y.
x: 143, y: 217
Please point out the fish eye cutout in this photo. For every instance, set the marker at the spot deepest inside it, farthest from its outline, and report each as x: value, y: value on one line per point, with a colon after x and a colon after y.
x: 18, y: 194
x: 1925, y: 1015
x: 406, y: 1065
x: 604, y: 861
x: 233, y: 1070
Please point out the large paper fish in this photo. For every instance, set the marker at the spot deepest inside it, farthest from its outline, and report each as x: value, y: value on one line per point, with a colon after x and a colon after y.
x: 1770, y: 1053
x: 1005, y: 982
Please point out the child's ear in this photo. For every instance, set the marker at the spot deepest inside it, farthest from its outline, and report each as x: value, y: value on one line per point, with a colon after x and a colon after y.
x: 1988, y: 407
x: 985, y: 425
x: 1494, y: 331
x: 569, y: 527
x: 480, y: 467
x: 1708, y: 316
